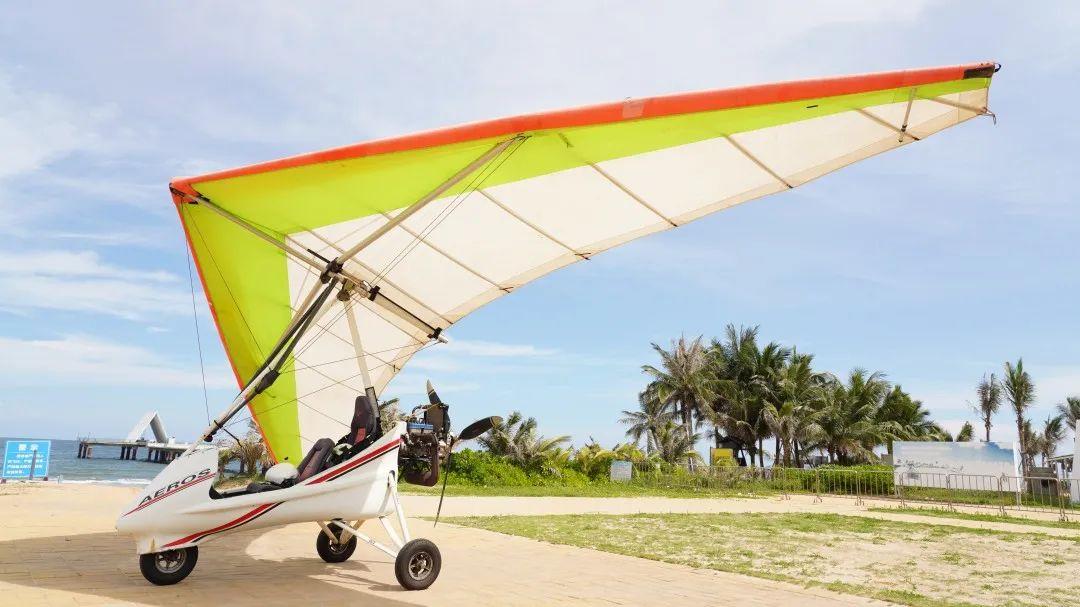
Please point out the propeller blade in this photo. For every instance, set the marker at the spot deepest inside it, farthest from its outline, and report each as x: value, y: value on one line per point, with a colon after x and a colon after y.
x: 442, y: 494
x: 433, y: 398
x: 479, y: 427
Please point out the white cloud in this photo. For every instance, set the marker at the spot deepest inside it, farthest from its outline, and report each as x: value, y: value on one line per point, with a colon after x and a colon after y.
x: 37, y: 128
x: 406, y: 385
x: 496, y: 349
x: 80, y: 281
x: 84, y: 360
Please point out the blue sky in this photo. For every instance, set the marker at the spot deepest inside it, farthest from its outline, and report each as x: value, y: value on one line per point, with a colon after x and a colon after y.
x: 934, y: 264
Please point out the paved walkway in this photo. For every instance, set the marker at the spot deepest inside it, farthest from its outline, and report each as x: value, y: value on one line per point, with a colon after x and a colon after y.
x: 57, y: 547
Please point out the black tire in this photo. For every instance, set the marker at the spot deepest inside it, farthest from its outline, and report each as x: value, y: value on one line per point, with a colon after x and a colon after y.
x: 168, y: 567
x: 417, y: 564
x: 333, y: 552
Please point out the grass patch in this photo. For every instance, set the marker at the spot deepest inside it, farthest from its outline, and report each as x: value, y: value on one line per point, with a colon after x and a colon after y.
x: 595, y: 489
x: 909, y: 563
x: 970, y: 516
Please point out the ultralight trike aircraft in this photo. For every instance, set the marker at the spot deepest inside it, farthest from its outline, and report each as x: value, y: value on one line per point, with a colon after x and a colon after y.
x: 326, y: 272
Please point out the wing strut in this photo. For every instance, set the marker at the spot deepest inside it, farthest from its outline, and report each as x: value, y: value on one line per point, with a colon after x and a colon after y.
x: 469, y: 169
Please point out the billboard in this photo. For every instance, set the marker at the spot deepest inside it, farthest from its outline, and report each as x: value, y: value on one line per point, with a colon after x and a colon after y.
x: 974, y: 466
x: 26, y: 459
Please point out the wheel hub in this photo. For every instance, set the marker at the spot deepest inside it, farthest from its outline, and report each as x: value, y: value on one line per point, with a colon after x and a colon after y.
x: 420, y: 566
x: 170, y: 561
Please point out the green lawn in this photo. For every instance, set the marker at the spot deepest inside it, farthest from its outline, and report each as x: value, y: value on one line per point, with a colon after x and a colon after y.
x: 588, y: 490
x: 909, y: 563
x: 991, y: 518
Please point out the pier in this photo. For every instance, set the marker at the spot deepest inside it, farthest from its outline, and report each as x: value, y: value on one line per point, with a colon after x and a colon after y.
x: 162, y: 449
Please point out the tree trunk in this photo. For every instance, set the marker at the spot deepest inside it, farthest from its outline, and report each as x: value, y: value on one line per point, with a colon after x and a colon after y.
x: 776, y: 453
x: 761, y: 451
x: 1020, y: 441
x: 688, y: 424
x: 798, y: 455
x: 987, y: 424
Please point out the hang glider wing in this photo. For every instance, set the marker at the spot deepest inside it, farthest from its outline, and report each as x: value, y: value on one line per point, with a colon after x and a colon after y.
x: 538, y: 192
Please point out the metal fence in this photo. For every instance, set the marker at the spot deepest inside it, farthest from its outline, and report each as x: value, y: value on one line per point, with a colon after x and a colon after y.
x: 1001, y: 493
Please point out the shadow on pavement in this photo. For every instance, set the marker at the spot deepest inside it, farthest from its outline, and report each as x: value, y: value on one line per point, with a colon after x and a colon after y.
x: 105, y: 565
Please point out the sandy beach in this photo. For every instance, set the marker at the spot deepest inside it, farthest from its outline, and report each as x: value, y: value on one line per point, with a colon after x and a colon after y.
x: 58, y: 547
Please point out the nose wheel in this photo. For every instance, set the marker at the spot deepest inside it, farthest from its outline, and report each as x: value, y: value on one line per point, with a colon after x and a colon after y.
x: 333, y: 551
x: 417, y: 564
x: 168, y: 567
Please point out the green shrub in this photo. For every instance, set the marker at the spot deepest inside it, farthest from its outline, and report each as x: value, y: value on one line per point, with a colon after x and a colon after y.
x: 482, y: 469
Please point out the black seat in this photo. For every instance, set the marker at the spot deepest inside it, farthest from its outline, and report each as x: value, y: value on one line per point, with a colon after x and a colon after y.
x: 363, y: 431
x: 364, y: 428
x: 315, y: 460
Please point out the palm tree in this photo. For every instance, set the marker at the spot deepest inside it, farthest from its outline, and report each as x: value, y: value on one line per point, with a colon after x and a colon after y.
x: 1019, y: 391
x: 848, y: 424
x: 746, y: 383
x: 673, y: 446
x: 517, y: 440
x: 1053, y: 432
x: 989, y: 392
x: 389, y: 414
x: 781, y: 423
x: 904, y: 418
x: 249, y: 451
x: 651, y: 414
x: 967, y: 432
x: 593, y: 459
x: 682, y: 380
x: 1070, y: 411
x: 800, y: 385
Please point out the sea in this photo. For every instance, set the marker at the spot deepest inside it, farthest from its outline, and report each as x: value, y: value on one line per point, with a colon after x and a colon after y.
x: 105, y: 467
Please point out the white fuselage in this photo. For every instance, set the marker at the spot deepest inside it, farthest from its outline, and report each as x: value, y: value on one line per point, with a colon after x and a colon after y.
x: 176, y: 510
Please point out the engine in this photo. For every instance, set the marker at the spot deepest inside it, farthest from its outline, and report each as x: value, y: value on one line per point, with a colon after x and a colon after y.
x: 425, y: 444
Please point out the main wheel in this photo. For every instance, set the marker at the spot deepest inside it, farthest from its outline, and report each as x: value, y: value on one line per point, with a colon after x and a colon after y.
x: 168, y: 567
x: 417, y: 564
x: 333, y: 552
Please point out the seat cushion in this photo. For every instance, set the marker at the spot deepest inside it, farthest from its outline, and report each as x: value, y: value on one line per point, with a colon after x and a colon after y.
x: 315, y: 460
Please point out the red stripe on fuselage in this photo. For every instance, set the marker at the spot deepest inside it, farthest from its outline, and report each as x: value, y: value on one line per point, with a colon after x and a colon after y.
x: 233, y: 523
x: 168, y: 493
x: 330, y: 474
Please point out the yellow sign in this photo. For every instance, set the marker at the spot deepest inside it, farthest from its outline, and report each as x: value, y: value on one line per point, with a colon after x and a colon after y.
x: 722, y: 457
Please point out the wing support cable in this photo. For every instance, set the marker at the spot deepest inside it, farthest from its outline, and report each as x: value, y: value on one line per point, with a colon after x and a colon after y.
x: 328, y: 268
x: 409, y: 211
x: 270, y: 370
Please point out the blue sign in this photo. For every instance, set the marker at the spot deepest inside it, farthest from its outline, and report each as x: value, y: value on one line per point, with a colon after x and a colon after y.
x: 21, y: 455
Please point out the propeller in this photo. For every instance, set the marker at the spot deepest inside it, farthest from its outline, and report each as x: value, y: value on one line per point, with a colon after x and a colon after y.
x: 479, y: 427
x: 470, y: 432
x: 432, y: 397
